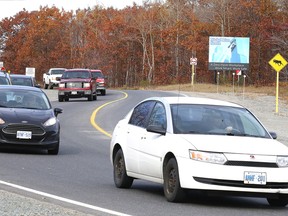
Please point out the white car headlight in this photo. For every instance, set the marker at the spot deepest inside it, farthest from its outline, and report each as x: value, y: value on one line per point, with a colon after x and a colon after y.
x: 209, y: 157
x: 86, y: 85
x: 282, y: 161
x: 50, y: 122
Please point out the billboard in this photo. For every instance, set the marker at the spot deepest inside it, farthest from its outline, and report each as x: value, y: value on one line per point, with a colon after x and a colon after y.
x: 229, y: 53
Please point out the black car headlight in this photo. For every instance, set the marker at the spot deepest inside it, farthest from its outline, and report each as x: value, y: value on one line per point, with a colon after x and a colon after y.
x: 50, y: 122
x: 2, y: 121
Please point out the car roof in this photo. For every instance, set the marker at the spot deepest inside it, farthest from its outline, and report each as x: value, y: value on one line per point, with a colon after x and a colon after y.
x: 78, y: 69
x: 20, y: 87
x: 96, y: 70
x: 194, y: 100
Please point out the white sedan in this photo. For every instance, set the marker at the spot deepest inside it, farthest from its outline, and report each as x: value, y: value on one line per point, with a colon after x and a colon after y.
x: 198, y: 143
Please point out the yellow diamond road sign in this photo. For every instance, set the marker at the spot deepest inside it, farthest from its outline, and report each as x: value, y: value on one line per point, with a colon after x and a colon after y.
x: 278, y: 62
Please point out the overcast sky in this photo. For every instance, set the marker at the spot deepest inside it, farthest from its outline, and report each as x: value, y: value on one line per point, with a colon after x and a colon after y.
x: 11, y: 7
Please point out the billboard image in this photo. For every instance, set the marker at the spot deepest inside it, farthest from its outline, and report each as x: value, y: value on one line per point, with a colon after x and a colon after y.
x: 229, y: 53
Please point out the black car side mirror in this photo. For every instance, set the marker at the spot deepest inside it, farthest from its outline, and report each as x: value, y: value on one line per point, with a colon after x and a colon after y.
x: 156, y: 129
x: 57, y: 111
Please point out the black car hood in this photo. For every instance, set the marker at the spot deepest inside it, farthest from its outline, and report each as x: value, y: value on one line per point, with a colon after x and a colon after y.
x: 30, y: 116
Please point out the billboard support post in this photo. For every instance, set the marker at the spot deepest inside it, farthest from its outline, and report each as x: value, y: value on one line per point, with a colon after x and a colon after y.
x: 244, y: 85
x: 218, y: 74
x: 233, y: 75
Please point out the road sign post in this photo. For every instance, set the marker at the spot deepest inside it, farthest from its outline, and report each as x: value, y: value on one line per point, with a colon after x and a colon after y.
x: 277, y: 63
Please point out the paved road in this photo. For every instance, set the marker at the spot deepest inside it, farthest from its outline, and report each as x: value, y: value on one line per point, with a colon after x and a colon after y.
x: 17, y: 203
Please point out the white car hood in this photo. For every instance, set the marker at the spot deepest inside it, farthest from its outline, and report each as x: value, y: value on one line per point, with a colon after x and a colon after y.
x: 236, y: 144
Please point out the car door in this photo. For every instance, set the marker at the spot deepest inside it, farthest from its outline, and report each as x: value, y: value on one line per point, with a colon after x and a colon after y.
x: 152, y: 144
x: 135, y: 131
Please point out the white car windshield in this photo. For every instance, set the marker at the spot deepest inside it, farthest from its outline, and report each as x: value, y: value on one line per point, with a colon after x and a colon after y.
x: 211, y: 119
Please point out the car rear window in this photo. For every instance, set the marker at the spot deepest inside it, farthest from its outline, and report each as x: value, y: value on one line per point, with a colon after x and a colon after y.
x: 76, y: 74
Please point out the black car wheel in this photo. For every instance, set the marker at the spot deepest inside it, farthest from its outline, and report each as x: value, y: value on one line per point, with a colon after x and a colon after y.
x: 90, y: 97
x: 54, y: 151
x: 121, y: 179
x: 45, y: 85
x: 95, y: 96
x: 282, y: 201
x: 60, y: 98
x: 172, y: 189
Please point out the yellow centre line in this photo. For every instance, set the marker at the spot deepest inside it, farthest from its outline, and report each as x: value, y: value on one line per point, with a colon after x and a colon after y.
x: 93, y: 116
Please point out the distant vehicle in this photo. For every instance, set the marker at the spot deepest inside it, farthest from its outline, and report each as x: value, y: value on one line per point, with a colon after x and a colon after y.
x: 189, y: 143
x: 100, y: 79
x: 5, y: 78
x: 20, y: 79
x: 50, y: 78
x: 27, y: 119
x: 77, y: 83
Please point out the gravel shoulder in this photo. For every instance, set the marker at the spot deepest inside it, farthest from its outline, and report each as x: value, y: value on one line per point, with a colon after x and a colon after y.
x: 263, y: 106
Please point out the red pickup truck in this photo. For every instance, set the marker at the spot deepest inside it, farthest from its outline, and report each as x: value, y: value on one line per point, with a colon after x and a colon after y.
x: 77, y: 83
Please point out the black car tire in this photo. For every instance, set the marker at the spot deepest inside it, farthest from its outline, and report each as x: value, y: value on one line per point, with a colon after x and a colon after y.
x: 54, y: 151
x: 121, y: 179
x: 45, y: 85
x: 90, y: 97
x: 60, y: 98
x: 50, y: 86
x: 172, y: 189
x: 282, y: 201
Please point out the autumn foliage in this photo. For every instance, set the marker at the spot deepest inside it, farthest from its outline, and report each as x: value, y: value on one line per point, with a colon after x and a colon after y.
x: 145, y: 45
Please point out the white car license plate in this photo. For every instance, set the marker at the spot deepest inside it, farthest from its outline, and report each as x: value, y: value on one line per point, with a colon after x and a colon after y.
x: 24, y: 134
x: 255, y: 178
x: 74, y: 92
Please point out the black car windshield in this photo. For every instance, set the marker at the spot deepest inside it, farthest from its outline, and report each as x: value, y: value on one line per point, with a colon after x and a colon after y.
x: 26, y: 81
x: 23, y: 99
x: 219, y: 120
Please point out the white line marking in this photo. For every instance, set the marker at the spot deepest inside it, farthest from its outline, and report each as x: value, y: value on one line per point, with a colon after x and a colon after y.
x: 64, y: 199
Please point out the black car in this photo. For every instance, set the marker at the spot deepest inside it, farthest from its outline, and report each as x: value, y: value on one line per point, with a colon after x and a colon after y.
x: 27, y: 119
x: 26, y: 80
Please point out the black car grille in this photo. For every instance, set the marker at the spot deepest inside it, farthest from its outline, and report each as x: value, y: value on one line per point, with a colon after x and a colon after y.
x: 251, y: 164
x: 231, y: 183
x: 74, y: 85
x: 12, y: 129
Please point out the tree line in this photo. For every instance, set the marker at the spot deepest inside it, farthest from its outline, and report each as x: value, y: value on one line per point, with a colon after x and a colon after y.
x: 149, y: 44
